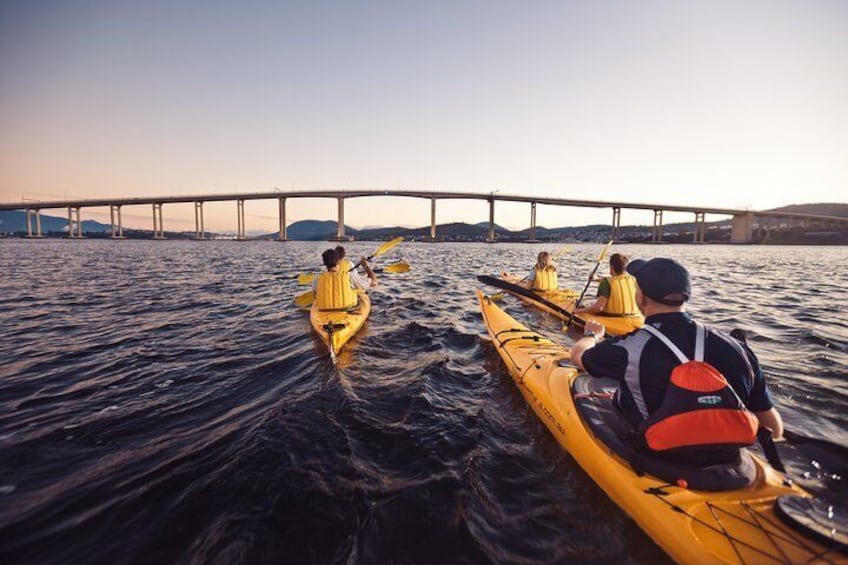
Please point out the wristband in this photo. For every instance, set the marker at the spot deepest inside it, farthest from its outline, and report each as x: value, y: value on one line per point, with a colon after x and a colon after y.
x: 593, y: 335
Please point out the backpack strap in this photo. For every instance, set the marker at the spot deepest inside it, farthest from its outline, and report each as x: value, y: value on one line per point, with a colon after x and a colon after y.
x: 700, y: 342
x: 667, y: 342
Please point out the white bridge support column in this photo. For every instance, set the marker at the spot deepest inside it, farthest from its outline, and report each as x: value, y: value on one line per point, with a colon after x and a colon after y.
x: 117, y: 228
x: 282, y: 236
x: 199, y: 231
x: 491, y: 237
x: 656, y: 235
x: 700, y: 228
x: 158, y: 228
x: 29, y: 222
x: 74, y: 223
x: 340, y: 228
x: 240, y: 213
x: 532, y: 221
x: 616, y: 222
x: 432, y: 219
x: 742, y: 228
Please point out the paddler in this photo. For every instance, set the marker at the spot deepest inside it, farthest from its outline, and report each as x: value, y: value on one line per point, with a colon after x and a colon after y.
x: 688, y: 416
x: 336, y: 289
x: 344, y: 264
x: 616, y: 293
x: 543, y: 277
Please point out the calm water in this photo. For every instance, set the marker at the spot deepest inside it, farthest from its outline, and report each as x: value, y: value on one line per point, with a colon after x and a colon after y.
x: 165, y: 402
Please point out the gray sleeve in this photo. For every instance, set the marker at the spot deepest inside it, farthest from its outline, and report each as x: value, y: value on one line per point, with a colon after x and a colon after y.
x: 359, y: 281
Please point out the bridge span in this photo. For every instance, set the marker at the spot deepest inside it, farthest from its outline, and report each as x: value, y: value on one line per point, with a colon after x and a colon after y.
x: 743, y: 221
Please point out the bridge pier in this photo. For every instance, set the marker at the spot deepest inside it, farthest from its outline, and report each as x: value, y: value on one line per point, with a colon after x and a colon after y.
x: 700, y: 228
x: 616, y: 222
x: 158, y: 228
x: 199, y: 232
x: 74, y: 223
x: 742, y: 228
x: 282, y: 236
x: 656, y: 234
x: 117, y: 230
x: 340, y: 227
x: 29, y: 214
x: 491, y: 235
x: 432, y: 219
x: 240, y: 213
x: 532, y: 223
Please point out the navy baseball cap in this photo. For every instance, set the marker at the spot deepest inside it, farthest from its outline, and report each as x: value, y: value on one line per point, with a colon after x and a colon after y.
x: 663, y: 280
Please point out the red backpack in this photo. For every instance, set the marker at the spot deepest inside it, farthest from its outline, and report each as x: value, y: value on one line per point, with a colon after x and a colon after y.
x: 699, y: 409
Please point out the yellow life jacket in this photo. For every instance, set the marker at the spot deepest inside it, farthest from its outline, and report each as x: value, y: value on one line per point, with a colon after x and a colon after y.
x: 345, y: 265
x: 545, y: 280
x: 334, y: 292
x: 622, y: 298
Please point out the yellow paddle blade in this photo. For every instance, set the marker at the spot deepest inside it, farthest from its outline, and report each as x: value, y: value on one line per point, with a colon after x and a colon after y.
x: 604, y: 251
x: 386, y: 246
x: 305, y: 278
x: 396, y: 268
x: 305, y: 300
x: 561, y: 252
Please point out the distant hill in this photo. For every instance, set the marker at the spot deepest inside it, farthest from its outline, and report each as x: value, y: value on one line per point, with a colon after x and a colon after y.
x: 315, y: 230
x: 823, y: 209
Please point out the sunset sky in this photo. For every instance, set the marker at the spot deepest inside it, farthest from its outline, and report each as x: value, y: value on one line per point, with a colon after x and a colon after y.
x: 726, y: 104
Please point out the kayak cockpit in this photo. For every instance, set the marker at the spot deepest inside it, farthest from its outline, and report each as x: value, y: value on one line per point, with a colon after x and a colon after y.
x: 594, y: 400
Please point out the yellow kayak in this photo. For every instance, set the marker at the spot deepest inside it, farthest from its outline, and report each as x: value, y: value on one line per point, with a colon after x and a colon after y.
x: 336, y: 327
x: 745, y: 523
x: 564, y: 300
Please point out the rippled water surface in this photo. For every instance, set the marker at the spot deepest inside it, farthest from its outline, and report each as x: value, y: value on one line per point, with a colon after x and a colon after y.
x: 166, y: 402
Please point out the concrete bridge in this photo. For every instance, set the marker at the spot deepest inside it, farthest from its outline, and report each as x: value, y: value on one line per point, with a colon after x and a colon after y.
x: 744, y: 221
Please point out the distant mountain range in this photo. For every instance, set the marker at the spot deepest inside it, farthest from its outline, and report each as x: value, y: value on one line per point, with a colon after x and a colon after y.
x: 14, y: 223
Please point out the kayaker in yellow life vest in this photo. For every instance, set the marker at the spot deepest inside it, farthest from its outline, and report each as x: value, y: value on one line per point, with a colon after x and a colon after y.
x: 337, y: 288
x: 344, y: 264
x: 616, y: 293
x: 543, y: 277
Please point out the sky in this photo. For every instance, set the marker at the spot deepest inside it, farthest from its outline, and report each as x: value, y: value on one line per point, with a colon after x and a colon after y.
x: 736, y: 104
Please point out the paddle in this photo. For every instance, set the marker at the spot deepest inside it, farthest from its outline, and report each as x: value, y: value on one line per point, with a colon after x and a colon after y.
x: 307, y: 298
x: 585, y: 288
x: 832, y: 456
x: 561, y: 252
x: 304, y: 279
x: 383, y: 248
x: 518, y: 289
x: 394, y: 268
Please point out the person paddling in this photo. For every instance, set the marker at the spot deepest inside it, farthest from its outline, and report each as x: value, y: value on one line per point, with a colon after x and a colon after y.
x: 677, y: 407
x: 543, y: 277
x: 616, y: 293
x: 336, y: 289
x: 344, y: 264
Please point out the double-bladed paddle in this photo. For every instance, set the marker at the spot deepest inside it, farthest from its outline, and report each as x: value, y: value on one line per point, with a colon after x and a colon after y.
x: 518, y: 289
x: 304, y: 279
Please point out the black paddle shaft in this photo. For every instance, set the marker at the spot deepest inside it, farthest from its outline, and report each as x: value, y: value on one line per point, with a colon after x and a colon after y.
x: 518, y: 289
x: 582, y: 294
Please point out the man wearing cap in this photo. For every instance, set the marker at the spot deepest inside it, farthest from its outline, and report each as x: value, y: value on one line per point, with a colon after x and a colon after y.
x: 643, y: 364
